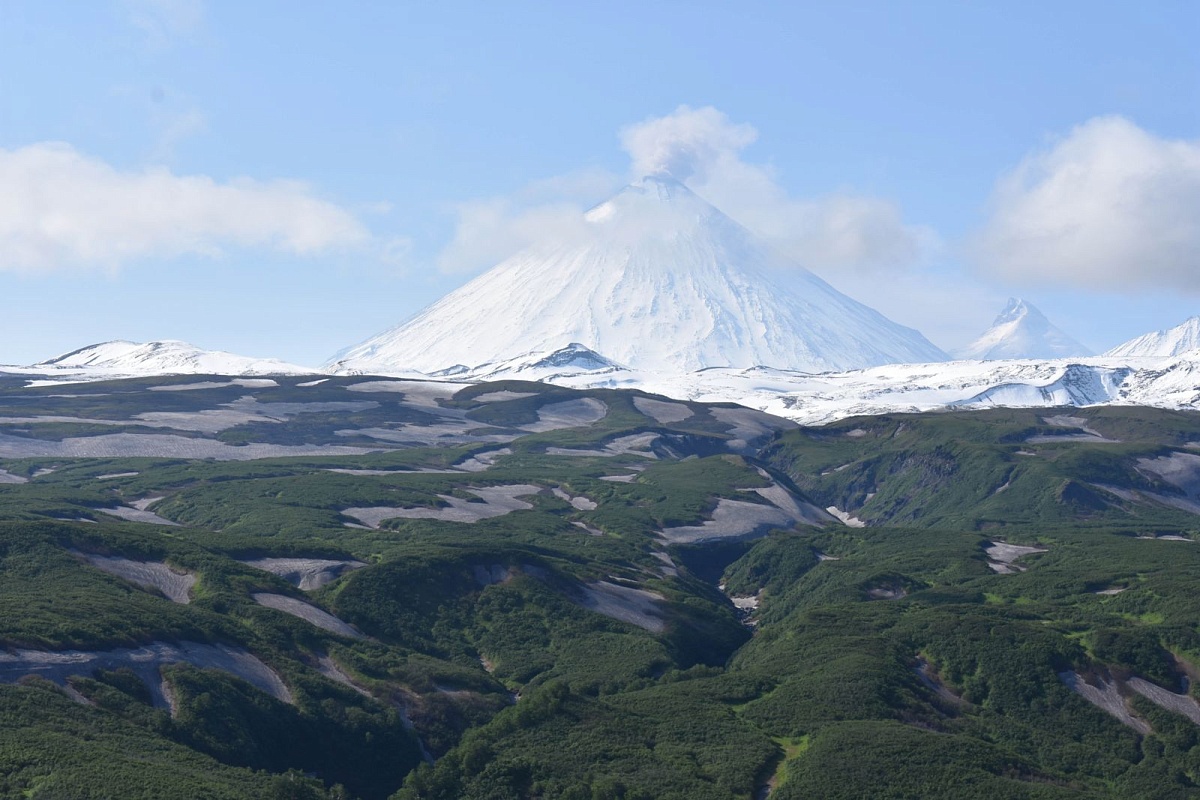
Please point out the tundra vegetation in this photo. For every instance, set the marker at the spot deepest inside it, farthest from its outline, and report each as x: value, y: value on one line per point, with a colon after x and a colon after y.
x: 566, y: 649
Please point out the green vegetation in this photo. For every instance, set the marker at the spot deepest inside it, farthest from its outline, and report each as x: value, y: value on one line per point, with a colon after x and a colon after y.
x: 889, y: 661
x: 980, y: 469
x: 52, y: 747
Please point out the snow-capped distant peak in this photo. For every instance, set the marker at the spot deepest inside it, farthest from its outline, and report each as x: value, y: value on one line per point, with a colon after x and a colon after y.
x: 1022, y: 331
x: 165, y: 357
x: 1176, y: 341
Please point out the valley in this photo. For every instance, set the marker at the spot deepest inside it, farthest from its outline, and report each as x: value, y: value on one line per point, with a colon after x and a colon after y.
x: 380, y: 588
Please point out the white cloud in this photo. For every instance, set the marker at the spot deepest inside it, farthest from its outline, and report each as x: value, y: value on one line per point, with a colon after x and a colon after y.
x: 60, y: 208
x: 583, y: 186
x: 950, y: 309
x: 1109, y: 206
x: 685, y: 144
x: 842, y: 232
x: 490, y: 230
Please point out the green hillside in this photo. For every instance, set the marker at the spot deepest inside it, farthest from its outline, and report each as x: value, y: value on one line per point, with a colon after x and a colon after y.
x: 521, y: 591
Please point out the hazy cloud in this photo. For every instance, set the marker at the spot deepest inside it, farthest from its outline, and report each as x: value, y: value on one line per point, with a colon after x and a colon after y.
x: 949, y: 308
x: 173, y: 128
x: 60, y: 208
x: 396, y: 252
x: 490, y: 230
x: 163, y: 21
x: 1108, y: 206
x: 842, y: 231
x: 172, y: 117
x: 702, y: 147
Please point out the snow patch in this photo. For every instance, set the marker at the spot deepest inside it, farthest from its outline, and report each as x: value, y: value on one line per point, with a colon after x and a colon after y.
x: 137, y: 515
x: 846, y: 517
x: 8, y: 477
x: 1004, y: 556
x: 497, y: 501
x: 483, y: 460
x: 152, y: 445
x: 568, y: 414
x: 176, y: 586
x: 732, y: 520
x: 1179, y: 703
x: 579, y: 503
x: 58, y: 666
x: 661, y: 411
x: 502, y: 396
x: 307, y: 612
x: 634, y: 606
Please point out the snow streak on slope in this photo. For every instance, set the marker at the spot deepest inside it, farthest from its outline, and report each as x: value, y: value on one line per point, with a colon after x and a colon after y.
x: 1022, y: 331
x: 1176, y: 341
x: 165, y: 357
x: 658, y: 280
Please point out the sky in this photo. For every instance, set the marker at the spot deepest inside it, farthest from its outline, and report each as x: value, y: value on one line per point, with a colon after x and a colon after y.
x: 288, y: 179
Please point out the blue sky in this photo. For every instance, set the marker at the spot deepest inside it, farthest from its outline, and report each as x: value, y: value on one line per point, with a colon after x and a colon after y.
x: 287, y: 179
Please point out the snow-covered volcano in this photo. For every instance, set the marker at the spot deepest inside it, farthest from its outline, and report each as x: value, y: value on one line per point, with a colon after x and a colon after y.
x: 655, y: 279
x: 1184, y: 338
x: 1022, y: 331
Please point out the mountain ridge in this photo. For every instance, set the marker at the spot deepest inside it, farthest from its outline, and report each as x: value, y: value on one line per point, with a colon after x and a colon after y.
x: 1177, y: 341
x: 165, y: 357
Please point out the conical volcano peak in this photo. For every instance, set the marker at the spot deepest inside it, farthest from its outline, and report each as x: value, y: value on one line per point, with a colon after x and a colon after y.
x: 664, y: 183
x: 658, y: 195
x: 1022, y: 331
x: 1016, y: 309
x: 658, y: 280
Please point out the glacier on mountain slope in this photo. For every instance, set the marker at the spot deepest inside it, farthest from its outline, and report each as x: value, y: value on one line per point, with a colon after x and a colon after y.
x: 1175, y: 341
x: 657, y: 280
x: 1022, y: 331
x: 817, y: 399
